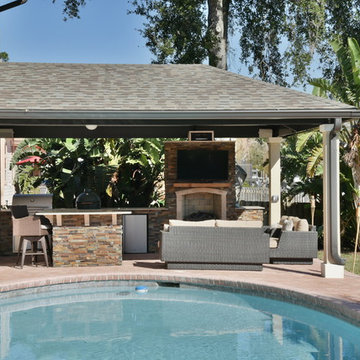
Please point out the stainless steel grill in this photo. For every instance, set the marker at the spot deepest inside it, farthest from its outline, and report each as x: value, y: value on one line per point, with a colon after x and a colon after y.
x: 34, y: 202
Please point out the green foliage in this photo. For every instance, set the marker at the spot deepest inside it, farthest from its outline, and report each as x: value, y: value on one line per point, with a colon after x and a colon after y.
x: 261, y: 27
x: 257, y: 154
x: 175, y: 31
x: 71, y: 8
x: 68, y: 166
x: 297, y: 155
x: 344, y: 87
x: 347, y: 207
x: 139, y: 173
x: 71, y: 165
x: 4, y: 56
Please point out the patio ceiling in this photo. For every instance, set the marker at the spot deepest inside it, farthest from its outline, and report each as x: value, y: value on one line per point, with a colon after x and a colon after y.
x: 58, y: 100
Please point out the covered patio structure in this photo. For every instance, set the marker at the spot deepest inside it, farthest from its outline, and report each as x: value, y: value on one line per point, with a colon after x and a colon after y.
x: 101, y: 100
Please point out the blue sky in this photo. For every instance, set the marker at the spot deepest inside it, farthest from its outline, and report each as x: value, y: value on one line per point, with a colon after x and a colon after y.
x: 105, y: 33
x: 36, y: 32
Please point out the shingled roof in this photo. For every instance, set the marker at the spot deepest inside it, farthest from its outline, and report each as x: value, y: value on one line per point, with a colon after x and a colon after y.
x: 155, y: 100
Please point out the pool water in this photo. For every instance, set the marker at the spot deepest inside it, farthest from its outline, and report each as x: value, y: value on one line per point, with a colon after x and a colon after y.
x: 168, y: 323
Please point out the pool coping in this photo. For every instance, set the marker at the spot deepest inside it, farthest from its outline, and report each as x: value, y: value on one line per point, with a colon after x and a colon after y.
x: 337, y: 307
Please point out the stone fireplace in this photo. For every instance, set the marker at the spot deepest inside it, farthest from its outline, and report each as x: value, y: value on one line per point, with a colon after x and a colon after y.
x: 190, y: 201
x: 184, y: 198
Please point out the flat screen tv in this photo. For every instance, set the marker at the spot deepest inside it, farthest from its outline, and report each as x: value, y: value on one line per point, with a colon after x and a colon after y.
x: 202, y: 165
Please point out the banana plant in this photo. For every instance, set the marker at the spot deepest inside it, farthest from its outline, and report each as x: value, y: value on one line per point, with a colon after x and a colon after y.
x: 67, y: 167
x: 122, y: 171
x: 139, y: 173
x: 345, y: 87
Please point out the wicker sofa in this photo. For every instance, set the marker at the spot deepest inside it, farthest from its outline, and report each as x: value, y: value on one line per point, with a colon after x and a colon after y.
x: 214, y: 245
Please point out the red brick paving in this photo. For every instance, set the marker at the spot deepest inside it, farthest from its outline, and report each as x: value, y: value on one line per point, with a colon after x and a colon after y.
x: 297, y: 283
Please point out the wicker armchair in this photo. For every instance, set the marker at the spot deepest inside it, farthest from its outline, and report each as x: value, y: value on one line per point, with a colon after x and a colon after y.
x: 295, y: 247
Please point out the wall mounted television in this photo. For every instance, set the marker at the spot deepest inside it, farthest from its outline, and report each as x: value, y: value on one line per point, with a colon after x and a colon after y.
x: 202, y: 165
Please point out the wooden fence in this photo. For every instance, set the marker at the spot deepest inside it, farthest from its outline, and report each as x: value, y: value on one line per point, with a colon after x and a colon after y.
x: 256, y: 196
x: 261, y: 194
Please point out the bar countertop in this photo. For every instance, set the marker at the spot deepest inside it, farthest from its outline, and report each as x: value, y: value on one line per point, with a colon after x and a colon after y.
x: 86, y: 213
x: 103, y: 211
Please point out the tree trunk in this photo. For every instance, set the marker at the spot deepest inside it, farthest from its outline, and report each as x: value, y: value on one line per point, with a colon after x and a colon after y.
x: 218, y: 22
x: 355, y: 169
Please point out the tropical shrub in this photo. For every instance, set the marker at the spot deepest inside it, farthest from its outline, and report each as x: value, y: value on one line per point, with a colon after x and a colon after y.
x: 121, y: 171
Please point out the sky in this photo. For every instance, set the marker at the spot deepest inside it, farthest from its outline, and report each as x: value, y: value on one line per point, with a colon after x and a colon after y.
x: 36, y: 32
x: 105, y: 33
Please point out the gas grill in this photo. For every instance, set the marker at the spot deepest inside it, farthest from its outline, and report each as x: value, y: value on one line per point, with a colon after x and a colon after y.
x: 34, y: 202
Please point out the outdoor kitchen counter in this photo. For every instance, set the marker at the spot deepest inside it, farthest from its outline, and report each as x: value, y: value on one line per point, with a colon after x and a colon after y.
x: 56, y: 215
x: 86, y: 237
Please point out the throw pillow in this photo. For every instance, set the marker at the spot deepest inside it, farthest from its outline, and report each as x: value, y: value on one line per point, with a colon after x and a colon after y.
x: 288, y: 225
x: 274, y: 242
x: 295, y: 220
x: 302, y: 225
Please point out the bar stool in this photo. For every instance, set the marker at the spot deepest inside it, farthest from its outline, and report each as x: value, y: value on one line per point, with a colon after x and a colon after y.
x: 31, y: 232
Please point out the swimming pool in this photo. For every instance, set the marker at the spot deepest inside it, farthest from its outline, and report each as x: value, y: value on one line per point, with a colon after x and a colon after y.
x: 116, y: 322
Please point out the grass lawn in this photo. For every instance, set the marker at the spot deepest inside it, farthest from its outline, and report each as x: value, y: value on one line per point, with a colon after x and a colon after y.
x: 348, y: 256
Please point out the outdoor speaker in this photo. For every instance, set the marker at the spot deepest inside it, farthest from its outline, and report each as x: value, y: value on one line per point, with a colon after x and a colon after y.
x: 201, y: 136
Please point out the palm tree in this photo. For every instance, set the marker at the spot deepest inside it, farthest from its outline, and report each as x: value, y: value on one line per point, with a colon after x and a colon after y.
x: 345, y: 87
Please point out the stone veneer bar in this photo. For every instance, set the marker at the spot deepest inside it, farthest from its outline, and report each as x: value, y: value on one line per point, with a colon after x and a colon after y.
x: 86, y: 237
x: 87, y: 245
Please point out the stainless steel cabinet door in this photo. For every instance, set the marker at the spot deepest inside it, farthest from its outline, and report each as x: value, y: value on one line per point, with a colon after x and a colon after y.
x: 135, y: 234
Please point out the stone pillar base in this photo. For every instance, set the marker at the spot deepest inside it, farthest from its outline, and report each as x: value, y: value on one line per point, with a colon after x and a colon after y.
x: 332, y: 271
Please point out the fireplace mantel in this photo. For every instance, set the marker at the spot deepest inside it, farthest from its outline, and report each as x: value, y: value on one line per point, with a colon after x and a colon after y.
x: 202, y: 185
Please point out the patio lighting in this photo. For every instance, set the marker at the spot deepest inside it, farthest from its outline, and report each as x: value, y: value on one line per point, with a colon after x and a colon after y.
x: 91, y: 127
x: 12, y: 4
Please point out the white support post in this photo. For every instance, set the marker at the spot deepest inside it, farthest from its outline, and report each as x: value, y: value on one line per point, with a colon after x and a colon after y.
x: 275, y: 180
x: 333, y: 265
x: 2, y: 170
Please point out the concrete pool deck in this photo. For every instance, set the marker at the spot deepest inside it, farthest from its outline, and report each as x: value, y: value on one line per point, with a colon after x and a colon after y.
x: 300, y: 284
